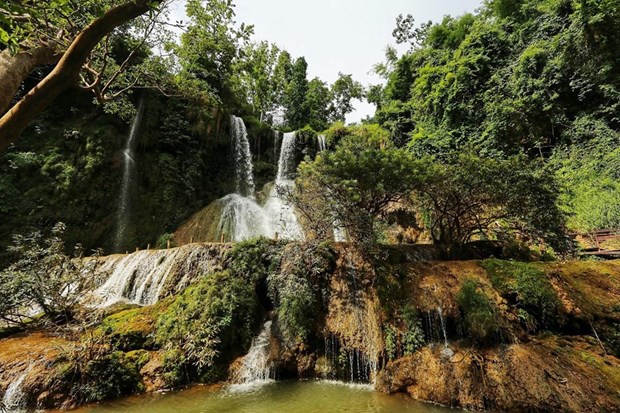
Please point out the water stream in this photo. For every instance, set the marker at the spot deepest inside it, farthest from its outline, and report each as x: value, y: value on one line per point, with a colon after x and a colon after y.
x: 277, y: 397
x: 14, y: 398
x: 123, y: 214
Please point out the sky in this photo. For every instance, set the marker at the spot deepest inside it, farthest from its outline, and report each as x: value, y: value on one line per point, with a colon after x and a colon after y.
x: 347, y: 36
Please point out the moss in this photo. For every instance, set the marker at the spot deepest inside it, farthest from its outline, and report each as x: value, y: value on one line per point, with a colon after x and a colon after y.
x: 479, y: 315
x: 207, y: 326
x: 298, y: 289
x: 528, y: 289
x: 132, y: 329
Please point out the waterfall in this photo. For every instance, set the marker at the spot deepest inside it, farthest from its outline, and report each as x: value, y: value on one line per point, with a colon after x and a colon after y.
x: 242, y: 218
x: 286, y: 163
x: 142, y: 277
x: 244, y: 178
x: 256, y: 365
x: 446, y: 352
x: 279, y: 209
x: 14, y: 397
x: 123, y: 215
x: 322, y: 143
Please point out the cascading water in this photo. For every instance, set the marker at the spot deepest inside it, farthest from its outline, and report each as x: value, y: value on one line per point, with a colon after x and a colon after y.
x: 141, y: 277
x: 279, y: 210
x: 242, y: 218
x: 322, y: 143
x: 446, y: 351
x: 14, y: 397
x: 257, y: 365
x: 123, y: 214
x: 244, y: 177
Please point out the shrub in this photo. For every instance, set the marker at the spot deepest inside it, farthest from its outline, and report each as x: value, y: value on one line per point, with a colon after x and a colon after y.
x: 479, y: 313
x: 299, y: 288
x: 211, y: 321
x: 529, y: 290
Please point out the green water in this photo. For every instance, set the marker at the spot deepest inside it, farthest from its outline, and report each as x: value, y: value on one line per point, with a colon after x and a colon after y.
x: 281, y: 397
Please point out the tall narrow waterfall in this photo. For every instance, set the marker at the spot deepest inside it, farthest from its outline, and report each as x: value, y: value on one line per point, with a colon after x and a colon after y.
x: 256, y: 365
x: 244, y: 178
x: 286, y: 163
x: 322, y: 143
x: 279, y: 209
x: 123, y: 214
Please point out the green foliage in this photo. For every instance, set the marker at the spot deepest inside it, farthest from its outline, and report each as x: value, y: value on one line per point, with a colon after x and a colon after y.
x: 343, y: 91
x: 296, y: 110
x: 211, y: 322
x: 403, y: 333
x: 253, y: 260
x: 355, y: 183
x: 163, y: 240
x: 528, y: 289
x: 90, y: 371
x: 299, y: 289
x: 480, y: 318
x: 44, y: 276
x: 467, y: 196
x: 588, y: 170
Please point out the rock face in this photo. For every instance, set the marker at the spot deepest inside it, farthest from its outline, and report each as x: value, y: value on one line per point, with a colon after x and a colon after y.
x: 397, y: 320
x: 545, y: 375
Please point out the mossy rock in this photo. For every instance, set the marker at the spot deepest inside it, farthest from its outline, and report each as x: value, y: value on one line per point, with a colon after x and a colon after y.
x: 132, y: 329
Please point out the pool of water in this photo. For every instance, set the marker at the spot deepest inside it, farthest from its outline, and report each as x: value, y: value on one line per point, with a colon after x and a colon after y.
x: 273, y: 397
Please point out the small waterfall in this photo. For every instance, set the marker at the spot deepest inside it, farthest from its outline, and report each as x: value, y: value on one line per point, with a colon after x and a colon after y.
x: 14, y: 399
x: 257, y: 365
x: 242, y: 217
x: 123, y: 214
x: 244, y: 178
x: 322, y: 143
x: 446, y: 351
x: 340, y: 233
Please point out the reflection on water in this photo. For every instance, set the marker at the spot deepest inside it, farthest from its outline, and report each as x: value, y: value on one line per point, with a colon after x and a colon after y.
x: 274, y: 397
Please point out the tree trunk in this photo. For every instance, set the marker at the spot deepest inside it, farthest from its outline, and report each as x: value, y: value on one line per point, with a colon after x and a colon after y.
x: 66, y: 73
x: 16, y: 68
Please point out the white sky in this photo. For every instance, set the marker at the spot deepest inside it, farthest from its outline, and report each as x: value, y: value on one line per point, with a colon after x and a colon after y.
x: 347, y: 36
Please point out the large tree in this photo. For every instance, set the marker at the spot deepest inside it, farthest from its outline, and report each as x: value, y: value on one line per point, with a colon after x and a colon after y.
x: 30, y: 38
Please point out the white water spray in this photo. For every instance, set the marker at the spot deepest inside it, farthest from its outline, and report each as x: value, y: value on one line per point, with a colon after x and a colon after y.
x: 257, y: 365
x: 322, y: 143
x: 123, y: 214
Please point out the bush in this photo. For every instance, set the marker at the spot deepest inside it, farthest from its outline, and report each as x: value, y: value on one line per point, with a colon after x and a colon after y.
x: 255, y: 259
x: 211, y: 321
x: 478, y: 312
x: 299, y: 289
x: 90, y: 372
x: 529, y: 291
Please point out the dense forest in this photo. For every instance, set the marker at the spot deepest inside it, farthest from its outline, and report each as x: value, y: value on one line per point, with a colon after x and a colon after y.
x: 448, y: 246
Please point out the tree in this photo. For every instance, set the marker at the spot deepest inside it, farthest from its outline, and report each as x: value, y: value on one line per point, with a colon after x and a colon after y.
x: 466, y: 196
x: 66, y: 72
x: 354, y: 185
x: 210, y: 49
x: 344, y: 90
x: 45, y: 278
x: 258, y: 77
x: 318, y: 99
x: 296, y: 111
